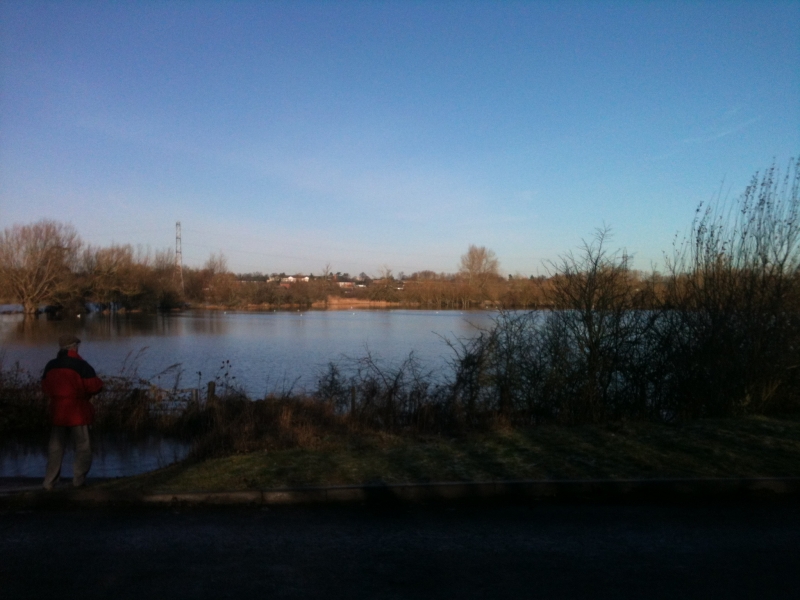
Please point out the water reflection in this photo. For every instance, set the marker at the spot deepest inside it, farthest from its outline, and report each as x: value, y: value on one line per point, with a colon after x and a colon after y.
x: 267, y: 351
x: 19, y: 329
x: 111, y: 457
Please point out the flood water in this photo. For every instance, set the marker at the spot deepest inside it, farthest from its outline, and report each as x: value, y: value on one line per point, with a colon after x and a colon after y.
x: 258, y: 352
x: 265, y: 352
x: 110, y: 457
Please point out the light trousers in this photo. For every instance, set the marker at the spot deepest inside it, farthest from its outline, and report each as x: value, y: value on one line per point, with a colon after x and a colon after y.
x: 55, y: 453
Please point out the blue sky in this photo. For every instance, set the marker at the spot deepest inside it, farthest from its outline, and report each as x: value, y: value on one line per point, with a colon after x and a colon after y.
x: 389, y: 134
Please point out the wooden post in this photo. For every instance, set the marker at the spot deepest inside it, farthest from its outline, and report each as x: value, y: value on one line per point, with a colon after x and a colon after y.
x: 353, y: 400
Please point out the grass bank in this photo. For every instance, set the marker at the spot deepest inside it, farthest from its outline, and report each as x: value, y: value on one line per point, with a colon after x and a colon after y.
x: 754, y: 446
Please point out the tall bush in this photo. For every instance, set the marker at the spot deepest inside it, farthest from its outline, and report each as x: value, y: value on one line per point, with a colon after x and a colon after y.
x: 732, y: 344
x: 581, y: 362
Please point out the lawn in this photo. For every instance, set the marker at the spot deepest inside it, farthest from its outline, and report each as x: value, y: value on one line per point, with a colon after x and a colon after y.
x: 736, y: 447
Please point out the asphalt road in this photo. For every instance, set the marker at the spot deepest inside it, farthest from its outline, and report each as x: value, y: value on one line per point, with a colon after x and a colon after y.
x: 538, y: 551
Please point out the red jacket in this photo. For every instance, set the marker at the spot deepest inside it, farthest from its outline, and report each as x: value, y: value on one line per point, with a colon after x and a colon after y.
x: 69, y: 382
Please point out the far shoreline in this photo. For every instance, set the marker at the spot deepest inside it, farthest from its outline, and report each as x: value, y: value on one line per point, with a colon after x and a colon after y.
x: 333, y: 303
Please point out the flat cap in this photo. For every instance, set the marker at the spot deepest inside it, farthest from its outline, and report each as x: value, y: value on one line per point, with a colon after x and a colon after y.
x: 65, y: 341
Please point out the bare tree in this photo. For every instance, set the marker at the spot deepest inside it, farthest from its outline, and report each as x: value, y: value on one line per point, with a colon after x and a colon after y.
x: 220, y: 283
x: 36, y: 262
x: 596, y: 330
x: 386, y: 273
x: 216, y: 264
x: 111, y: 274
x: 478, y: 265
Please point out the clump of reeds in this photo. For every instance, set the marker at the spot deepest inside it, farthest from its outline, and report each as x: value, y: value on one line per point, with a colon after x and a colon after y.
x: 235, y: 424
x: 387, y: 397
x: 732, y: 343
x: 23, y: 408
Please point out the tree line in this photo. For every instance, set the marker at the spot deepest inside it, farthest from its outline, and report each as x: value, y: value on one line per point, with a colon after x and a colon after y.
x: 46, y: 266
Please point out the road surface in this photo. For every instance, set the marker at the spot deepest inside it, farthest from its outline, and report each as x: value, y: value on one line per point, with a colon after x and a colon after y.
x: 743, y: 550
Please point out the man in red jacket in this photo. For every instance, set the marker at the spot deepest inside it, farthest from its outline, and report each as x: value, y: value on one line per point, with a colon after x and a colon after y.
x: 69, y: 382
